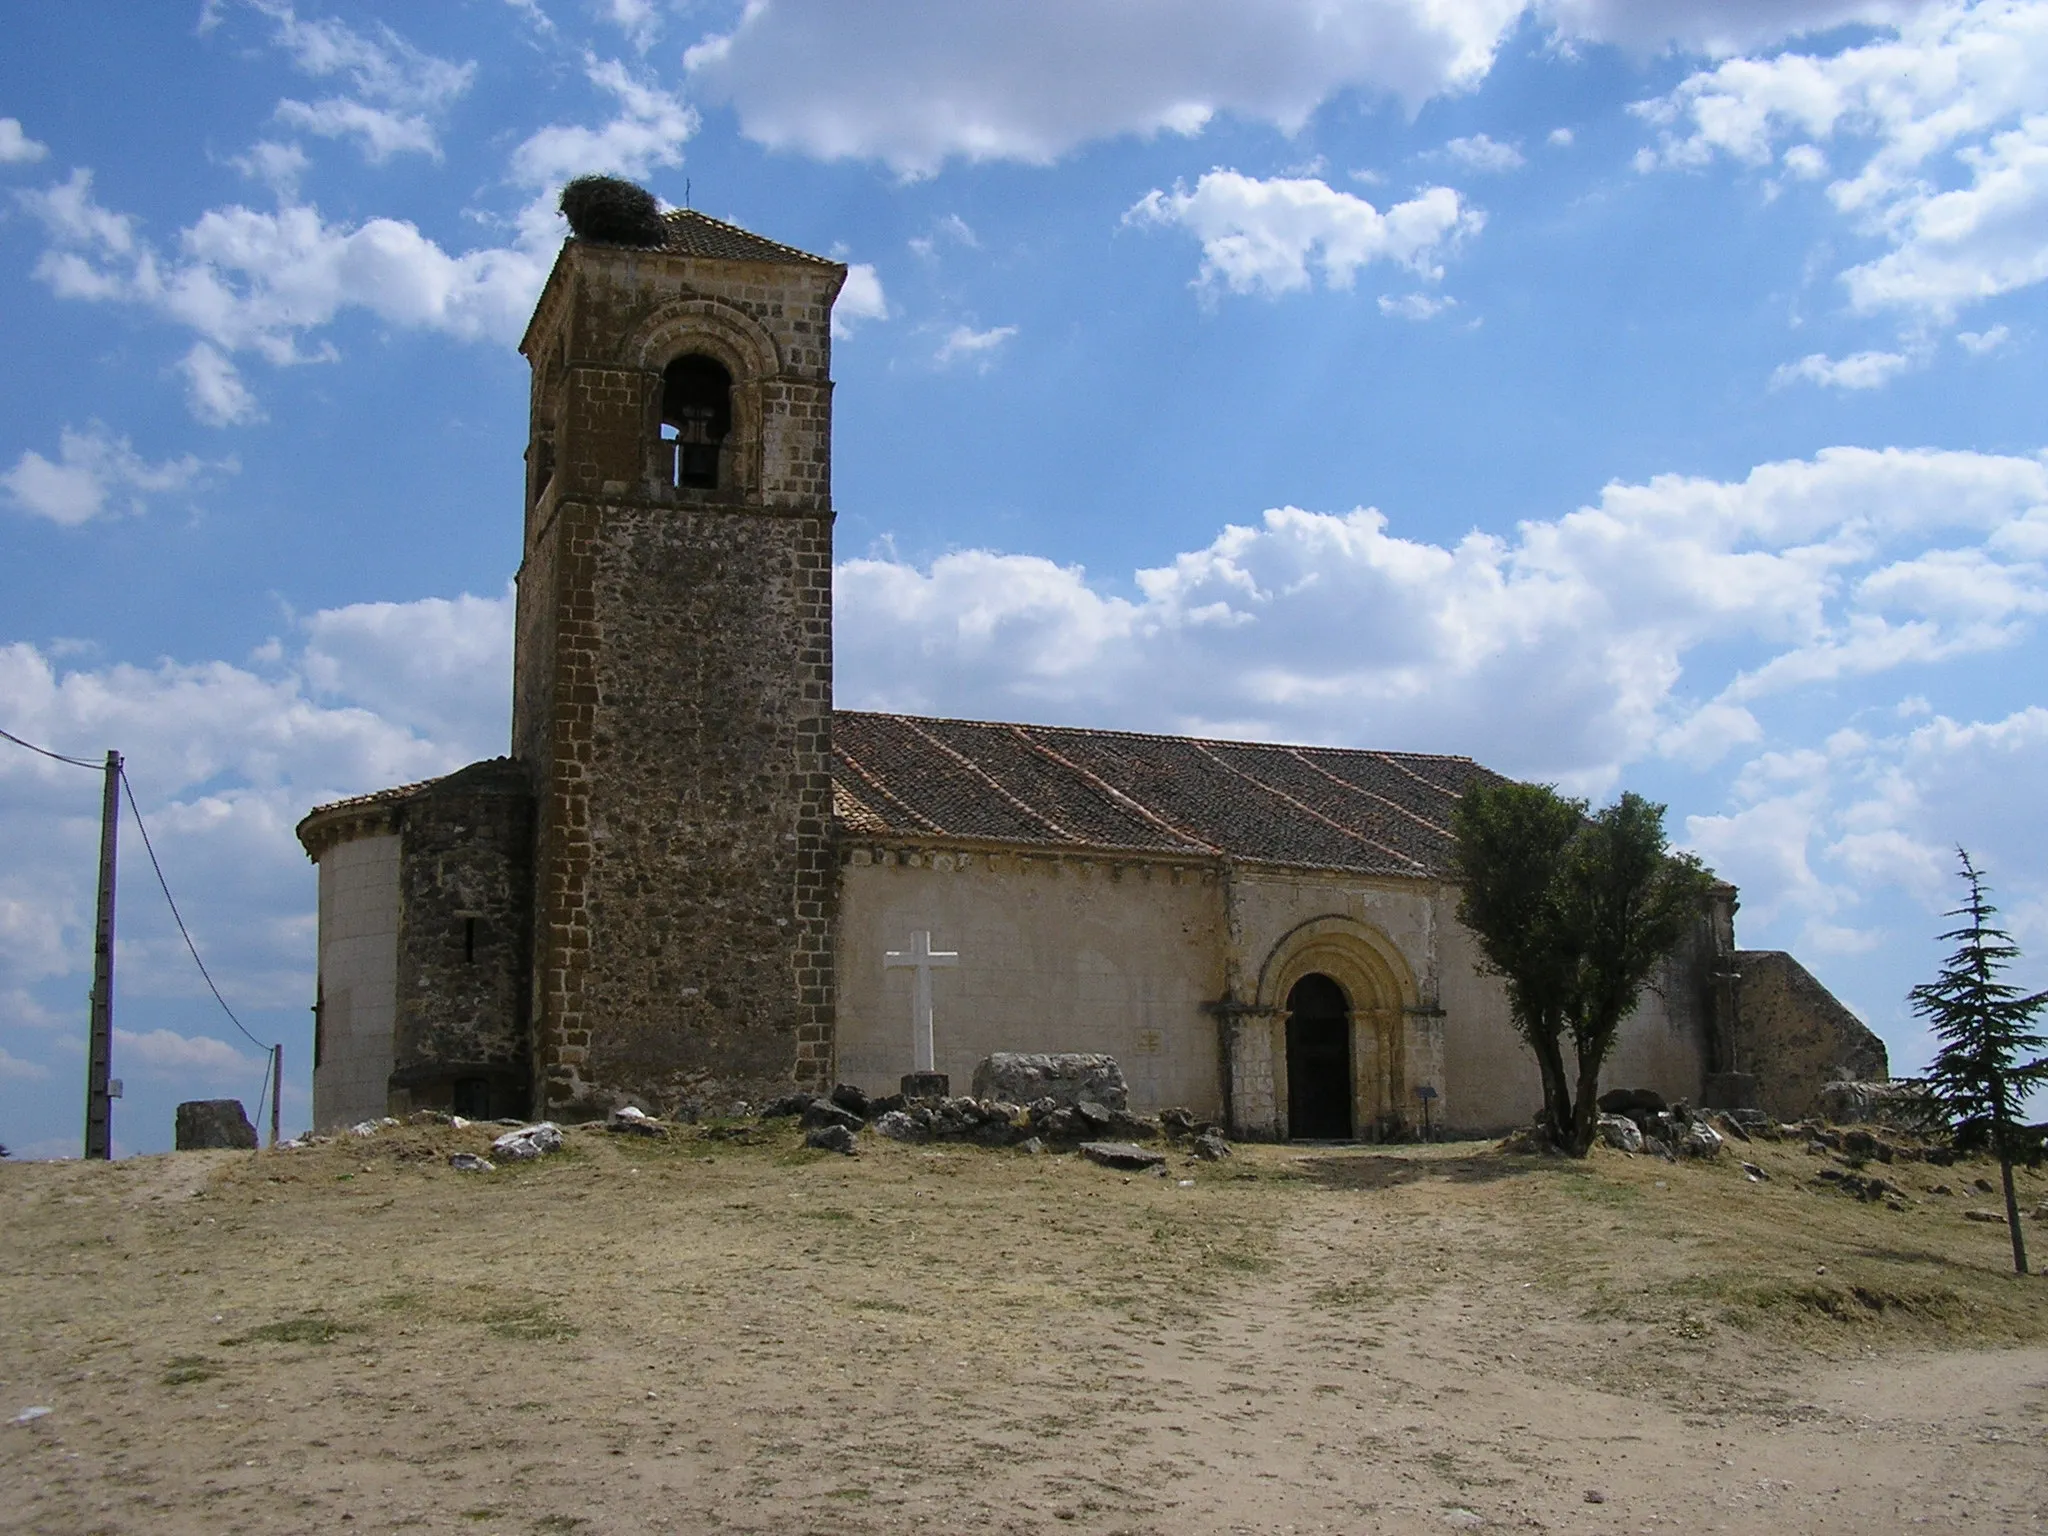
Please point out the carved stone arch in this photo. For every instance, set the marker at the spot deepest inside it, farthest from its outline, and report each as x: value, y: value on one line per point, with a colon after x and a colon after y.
x: 732, y: 338
x: 1380, y: 986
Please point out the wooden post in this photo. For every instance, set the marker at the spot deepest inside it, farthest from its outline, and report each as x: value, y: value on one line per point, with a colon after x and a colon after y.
x: 276, y: 1086
x: 99, y: 1044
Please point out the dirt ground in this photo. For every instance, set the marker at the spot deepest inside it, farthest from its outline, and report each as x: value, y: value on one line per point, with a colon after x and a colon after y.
x: 730, y: 1335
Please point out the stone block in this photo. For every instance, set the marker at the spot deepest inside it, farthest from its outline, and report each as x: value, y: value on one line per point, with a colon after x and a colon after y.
x: 1067, y: 1078
x: 210, y: 1124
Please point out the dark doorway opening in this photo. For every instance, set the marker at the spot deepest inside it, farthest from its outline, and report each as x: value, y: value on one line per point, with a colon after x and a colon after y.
x: 696, y: 414
x: 1318, y: 1061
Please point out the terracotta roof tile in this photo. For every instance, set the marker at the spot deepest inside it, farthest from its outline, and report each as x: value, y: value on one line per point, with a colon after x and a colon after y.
x: 1058, y: 786
x: 695, y: 234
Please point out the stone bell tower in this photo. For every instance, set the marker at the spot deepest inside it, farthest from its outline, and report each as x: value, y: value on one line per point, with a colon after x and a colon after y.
x: 673, y: 680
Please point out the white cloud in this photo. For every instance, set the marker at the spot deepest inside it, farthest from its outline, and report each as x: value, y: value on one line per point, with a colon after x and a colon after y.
x: 860, y: 299
x: 16, y: 147
x: 1262, y: 235
x: 1715, y: 27
x: 1559, y: 138
x: 14, y: 1069
x: 1944, y: 120
x: 1859, y: 370
x: 1484, y: 154
x: 649, y: 131
x: 165, y: 1051
x: 1978, y: 343
x: 94, y: 473
x: 381, y: 132
x: 637, y: 19
x: 277, y: 166
x: 1564, y: 652
x: 1415, y: 306
x: 214, y: 388
x: 963, y: 341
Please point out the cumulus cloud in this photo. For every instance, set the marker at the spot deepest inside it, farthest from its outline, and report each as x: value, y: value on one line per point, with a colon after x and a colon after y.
x: 1484, y: 154
x: 1415, y: 306
x: 648, y: 132
x: 94, y: 474
x: 166, y: 1051
x: 1859, y: 370
x: 638, y: 19
x: 1262, y: 235
x: 914, y: 85
x: 1940, y: 125
x: 965, y: 343
x: 16, y: 147
x: 1563, y: 652
x: 860, y: 299
x: 1977, y: 343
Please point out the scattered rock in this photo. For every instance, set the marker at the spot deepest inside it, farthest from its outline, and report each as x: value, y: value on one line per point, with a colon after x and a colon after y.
x: 635, y: 1122
x: 1031, y: 1146
x: 1122, y: 1154
x: 30, y: 1415
x: 211, y: 1124
x: 853, y: 1100
x: 1756, y: 1174
x: 788, y: 1104
x: 898, y: 1126
x: 1463, y: 1519
x: 1632, y: 1101
x: 365, y: 1128
x: 1211, y: 1147
x: 1066, y: 1078
x: 823, y: 1112
x: 1595, y: 1496
x: 529, y: 1142
x: 1177, y: 1122
x: 1093, y: 1115
x: 1699, y: 1139
x: 1984, y: 1186
x: 831, y: 1138
x: 1996, y: 1217
x: 1620, y: 1132
x: 1861, y: 1144
x: 1898, y: 1102
x: 469, y: 1162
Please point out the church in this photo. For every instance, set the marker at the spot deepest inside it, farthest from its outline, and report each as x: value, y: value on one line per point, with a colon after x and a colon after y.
x: 693, y: 883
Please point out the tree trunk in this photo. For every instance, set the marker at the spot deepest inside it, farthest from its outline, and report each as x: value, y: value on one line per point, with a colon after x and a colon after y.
x: 2012, y: 1219
x: 1557, y: 1103
x: 1586, y: 1108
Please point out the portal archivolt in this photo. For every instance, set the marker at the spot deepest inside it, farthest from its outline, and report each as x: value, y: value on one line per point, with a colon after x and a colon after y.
x: 1332, y: 983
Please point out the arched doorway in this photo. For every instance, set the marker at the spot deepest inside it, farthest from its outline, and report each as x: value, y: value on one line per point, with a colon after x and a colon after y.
x: 1319, y: 1097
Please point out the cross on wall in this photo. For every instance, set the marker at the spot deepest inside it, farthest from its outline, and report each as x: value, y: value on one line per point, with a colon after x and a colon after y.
x: 921, y: 959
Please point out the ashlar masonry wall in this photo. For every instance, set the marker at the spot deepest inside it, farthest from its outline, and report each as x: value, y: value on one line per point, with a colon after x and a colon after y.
x: 358, y: 993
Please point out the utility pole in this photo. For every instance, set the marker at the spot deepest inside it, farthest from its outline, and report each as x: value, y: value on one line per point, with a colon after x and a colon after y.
x: 276, y: 1086
x: 99, y: 1048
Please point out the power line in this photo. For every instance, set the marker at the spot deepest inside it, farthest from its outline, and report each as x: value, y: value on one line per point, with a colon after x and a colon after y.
x: 76, y: 762
x: 129, y: 789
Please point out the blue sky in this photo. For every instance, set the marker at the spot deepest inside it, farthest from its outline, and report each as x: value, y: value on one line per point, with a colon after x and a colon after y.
x: 1630, y: 395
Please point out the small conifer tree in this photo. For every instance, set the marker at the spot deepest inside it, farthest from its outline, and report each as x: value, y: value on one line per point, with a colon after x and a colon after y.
x: 1991, y: 1053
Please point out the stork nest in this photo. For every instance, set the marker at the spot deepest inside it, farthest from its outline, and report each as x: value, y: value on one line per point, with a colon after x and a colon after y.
x: 613, y: 211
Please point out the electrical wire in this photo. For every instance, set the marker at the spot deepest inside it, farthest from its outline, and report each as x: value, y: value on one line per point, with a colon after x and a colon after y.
x: 76, y: 762
x: 129, y: 789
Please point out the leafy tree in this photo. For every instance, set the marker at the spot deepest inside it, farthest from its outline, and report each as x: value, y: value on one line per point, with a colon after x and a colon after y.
x: 1980, y: 1078
x: 1573, y: 912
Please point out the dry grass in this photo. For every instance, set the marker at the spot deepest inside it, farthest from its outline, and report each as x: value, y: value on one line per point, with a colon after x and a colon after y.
x: 723, y: 1331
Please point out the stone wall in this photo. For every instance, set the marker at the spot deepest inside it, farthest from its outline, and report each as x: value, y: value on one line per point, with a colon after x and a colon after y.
x: 465, y: 886
x: 674, y: 687
x: 1794, y: 1035
x: 358, y: 987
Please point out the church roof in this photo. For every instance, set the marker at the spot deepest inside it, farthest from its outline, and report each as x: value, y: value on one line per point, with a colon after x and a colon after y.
x: 695, y: 234
x: 1057, y: 786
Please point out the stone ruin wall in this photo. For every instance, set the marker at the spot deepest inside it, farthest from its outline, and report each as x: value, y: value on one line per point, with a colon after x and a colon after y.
x: 1794, y: 1035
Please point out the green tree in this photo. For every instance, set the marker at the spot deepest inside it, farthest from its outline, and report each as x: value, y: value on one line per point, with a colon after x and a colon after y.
x: 1981, y: 1077
x: 1573, y: 912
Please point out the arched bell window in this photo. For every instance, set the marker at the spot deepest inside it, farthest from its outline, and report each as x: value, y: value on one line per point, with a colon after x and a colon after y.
x: 696, y: 415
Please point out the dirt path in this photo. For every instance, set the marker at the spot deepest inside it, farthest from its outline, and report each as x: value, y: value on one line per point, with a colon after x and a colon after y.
x: 709, y: 1337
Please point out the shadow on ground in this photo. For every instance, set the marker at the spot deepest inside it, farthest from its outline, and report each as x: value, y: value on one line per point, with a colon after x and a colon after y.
x: 1380, y: 1171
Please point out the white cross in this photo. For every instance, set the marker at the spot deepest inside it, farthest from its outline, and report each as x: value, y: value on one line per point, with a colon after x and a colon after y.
x: 922, y: 959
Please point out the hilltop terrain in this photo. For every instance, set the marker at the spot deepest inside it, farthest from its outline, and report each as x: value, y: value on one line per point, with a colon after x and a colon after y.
x: 723, y: 1332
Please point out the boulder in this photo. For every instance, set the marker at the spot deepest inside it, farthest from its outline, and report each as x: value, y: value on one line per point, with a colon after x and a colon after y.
x: 823, y: 1112
x: 1096, y: 1117
x: 830, y: 1138
x: 205, y: 1125
x: 1210, y: 1146
x: 1630, y: 1101
x: 1621, y: 1133
x: 469, y: 1162
x: 1066, y: 1078
x: 1988, y: 1217
x: 854, y: 1100
x: 1122, y: 1154
x: 788, y: 1104
x: 1177, y: 1121
x: 898, y: 1126
x: 1698, y: 1139
x: 529, y: 1142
